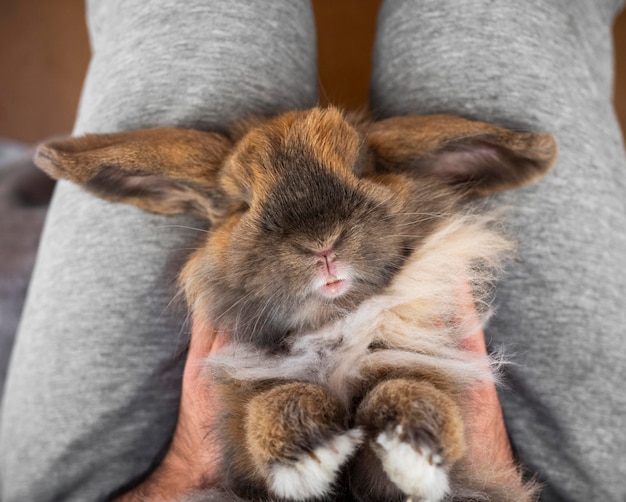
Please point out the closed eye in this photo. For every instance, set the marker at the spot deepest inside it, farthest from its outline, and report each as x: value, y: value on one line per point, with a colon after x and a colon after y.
x: 243, y: 207
x: 303, y: 249
x: 341, y: 238
x: 406, y: 250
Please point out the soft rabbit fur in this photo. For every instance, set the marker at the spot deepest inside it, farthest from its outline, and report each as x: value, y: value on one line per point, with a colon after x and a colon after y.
x: 341, y: 261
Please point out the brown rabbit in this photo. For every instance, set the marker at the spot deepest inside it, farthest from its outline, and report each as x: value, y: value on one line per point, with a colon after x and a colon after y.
x: 337, y: 260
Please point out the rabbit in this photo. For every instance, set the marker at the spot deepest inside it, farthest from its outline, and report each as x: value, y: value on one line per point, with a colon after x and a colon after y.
x: 341, y: 257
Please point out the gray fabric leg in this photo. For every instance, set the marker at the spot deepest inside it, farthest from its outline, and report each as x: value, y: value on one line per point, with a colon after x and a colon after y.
x: 93, y: 387
x: 561, y: 310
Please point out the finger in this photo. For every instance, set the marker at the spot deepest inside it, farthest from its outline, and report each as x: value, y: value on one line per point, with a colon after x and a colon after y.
x: 194, y: 444
x: 475, y: 342
x: 488, y: 439
x: 204, y: 341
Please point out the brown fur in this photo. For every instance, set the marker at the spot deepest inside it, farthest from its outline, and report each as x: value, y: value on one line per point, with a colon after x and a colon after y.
x: 421, y: 144
x: 282, y: 195
x: 428, y: 417
x: 290, y: 419
x: 176, y: 174
x: 372, y: 376
x: 420, y: 408
x: 272, y: 421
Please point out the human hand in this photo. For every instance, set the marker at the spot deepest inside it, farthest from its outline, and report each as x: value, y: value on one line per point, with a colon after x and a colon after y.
x: 192, y: 459
x: 487, y: 438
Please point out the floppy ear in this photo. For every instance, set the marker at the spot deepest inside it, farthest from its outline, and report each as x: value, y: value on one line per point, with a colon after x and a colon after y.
x: 481, y: 158
x: 162, y: 170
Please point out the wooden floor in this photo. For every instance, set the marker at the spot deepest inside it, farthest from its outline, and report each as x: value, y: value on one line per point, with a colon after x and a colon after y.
x: 44, y: 55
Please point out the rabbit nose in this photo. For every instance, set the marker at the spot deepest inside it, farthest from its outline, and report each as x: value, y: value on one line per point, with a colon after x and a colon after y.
x: 329, y: 255
x: 327, y: 258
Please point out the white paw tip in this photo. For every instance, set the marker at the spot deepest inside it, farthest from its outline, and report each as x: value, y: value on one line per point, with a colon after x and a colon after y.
x: 314, y: 473
x: 418, y: 473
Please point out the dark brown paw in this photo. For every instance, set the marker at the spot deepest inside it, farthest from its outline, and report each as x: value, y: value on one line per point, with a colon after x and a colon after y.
x: 297, y: 438
x: 416, y: 431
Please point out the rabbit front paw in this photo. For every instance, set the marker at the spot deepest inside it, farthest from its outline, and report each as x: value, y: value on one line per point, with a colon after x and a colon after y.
x: 415, y: 467
x: 298, y: 441
x: 416, y: 433
x: 313, y: 473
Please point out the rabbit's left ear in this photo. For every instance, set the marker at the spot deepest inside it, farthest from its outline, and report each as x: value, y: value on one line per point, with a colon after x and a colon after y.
x: 480, y: 158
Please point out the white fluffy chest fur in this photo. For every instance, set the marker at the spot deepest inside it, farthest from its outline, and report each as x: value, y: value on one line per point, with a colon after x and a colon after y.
x: 419, y: 320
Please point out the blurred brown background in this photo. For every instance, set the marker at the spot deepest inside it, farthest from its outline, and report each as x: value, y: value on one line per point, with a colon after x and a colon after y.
x: 44, y: 54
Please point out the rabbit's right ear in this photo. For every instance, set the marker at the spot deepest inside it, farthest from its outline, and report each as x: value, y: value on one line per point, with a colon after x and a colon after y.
x: 162, y: 170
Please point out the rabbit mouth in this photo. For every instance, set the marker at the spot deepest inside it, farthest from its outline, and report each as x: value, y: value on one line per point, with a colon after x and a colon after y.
x: 334, y: 287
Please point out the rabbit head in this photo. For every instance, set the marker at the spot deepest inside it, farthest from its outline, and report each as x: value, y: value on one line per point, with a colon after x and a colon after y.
x: 311, y: 212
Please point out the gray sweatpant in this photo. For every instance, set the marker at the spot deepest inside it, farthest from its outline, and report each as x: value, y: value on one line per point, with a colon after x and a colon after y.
x: 92, y: 392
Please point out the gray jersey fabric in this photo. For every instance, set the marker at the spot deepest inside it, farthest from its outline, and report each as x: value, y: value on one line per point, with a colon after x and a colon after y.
x: 93, y: 386
x: 94, y: 383
x: 561, y: 310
